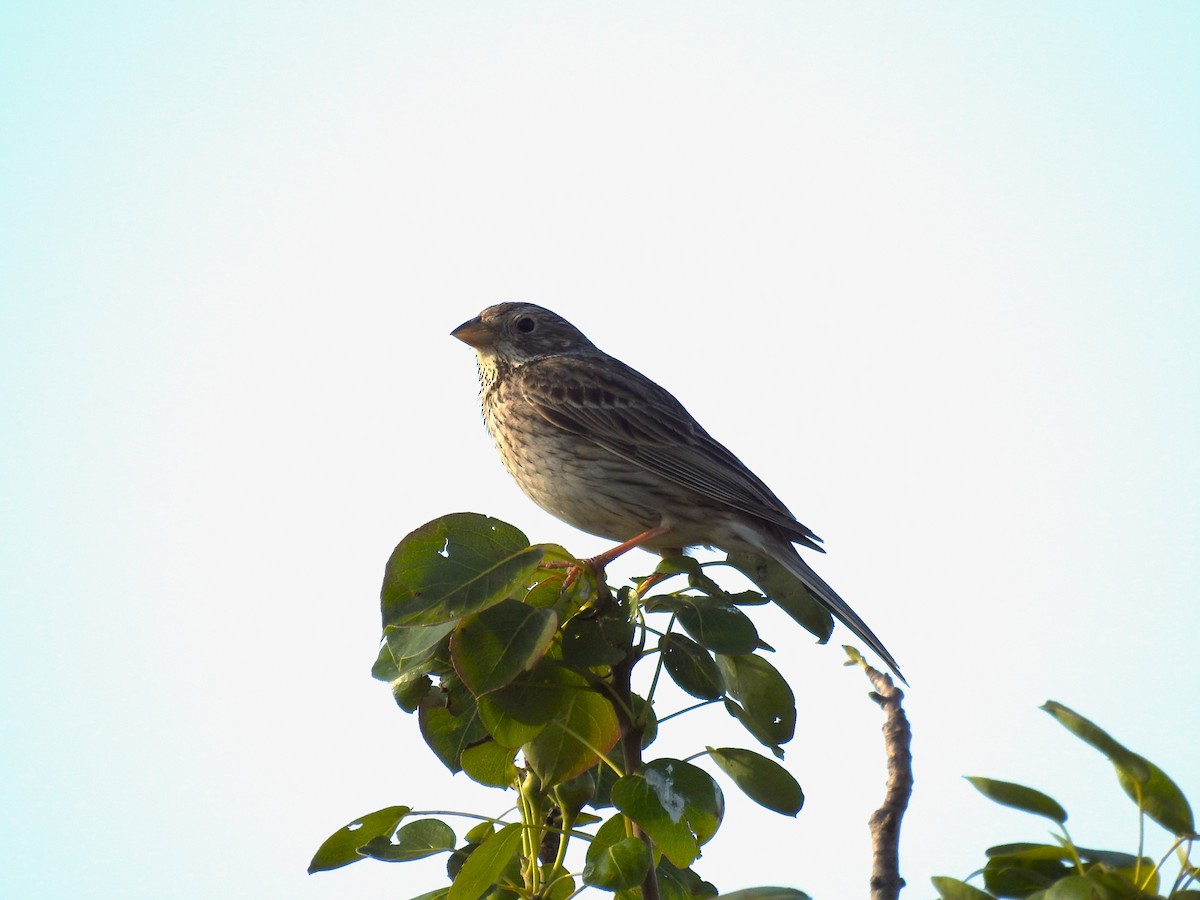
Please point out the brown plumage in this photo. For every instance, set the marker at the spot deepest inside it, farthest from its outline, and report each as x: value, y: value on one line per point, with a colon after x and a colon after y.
x: 602, y: 447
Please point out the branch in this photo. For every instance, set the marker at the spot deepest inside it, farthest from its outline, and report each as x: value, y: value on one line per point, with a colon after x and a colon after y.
x: 631, y: 733
x: 885, y: 822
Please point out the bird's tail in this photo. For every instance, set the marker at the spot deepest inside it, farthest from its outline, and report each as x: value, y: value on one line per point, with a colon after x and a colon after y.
x: 787, y: 556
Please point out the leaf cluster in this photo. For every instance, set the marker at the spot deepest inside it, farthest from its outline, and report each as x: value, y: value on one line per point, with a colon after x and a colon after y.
x: 519, y: 663
x: 1065, y: 871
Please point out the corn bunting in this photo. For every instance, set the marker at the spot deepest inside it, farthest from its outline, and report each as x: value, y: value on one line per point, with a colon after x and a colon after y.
x: 602, y: 447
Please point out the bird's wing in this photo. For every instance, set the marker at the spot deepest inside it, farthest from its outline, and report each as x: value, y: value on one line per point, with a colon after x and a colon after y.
x: 623, y: 411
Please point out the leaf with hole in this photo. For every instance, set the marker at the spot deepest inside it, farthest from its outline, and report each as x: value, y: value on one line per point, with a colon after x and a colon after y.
x: 455, y: 566
x: 341, y: 847
x: 765, y: 703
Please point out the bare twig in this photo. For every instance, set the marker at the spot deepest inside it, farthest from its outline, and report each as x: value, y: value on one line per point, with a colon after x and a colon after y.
x: 885, y: 822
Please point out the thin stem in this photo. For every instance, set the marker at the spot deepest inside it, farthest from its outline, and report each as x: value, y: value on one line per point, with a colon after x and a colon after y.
x: 1144, y: 883
x: 632, y: 729
x: 1069, y: 844
x: 531, y: 833
x: 1141, y: 851
x: 687, y: 709
x: 1187, y: 872
x: 564, y: 838
x: 658, y: 666
x: 495, y: 820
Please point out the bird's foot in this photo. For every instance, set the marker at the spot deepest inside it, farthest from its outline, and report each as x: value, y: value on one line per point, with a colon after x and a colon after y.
x: 597, y: 564
x: 574, y: 570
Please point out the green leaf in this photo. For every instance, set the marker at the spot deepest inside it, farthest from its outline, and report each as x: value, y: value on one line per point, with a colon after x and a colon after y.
x: 678, y: 565
x: 477, y: 834
x: 748, y: 598
x: 605, y: 779
x: 645, y: 711
x: 409, y: 690
x: 435, y: 894
x: 455, y: 566
x: 691, y: 667
x: 573, y: 741
x: 717, y: 624
x: 1028, y: 851
x: 1019, y: 797
x: 614, y: 869
x: 589, y: 641
x: 411, y: 646
x: 449, y: 733
x: 1067, y: 851
x: 1115, y: 859
x: 384, y: 667
x: 676, y: 883
x: 416, y: 840
x: 341, y: 847
x: 520, y: 711
x: 786, y: 590
x: 620, y: 865
x: 1119, y: 885
x: 559, y: 885
x: 953, y: 889
x: 1082, y: 887
x: 490, y: 648
x: 1144, y: 782
x: 572, y: 796
x: 762, y: 780
x: 765, y: 704
x: 491, y: 764
x: 766, y: 893
x: 1019, y: 875
x: 1158, y: 797
x: 676, y: 803
x: 484, y: 867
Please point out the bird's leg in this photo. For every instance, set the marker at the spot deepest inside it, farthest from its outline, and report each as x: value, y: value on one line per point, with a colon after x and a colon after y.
x: 600, y: 562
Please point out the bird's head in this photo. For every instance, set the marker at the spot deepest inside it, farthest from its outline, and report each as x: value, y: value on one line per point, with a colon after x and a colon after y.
x: 520, y: 332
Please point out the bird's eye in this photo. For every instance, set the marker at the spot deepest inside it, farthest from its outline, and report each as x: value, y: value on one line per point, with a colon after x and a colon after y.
x: 526, y: 324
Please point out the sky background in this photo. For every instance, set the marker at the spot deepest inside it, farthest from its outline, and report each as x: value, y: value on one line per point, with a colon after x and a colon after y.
x: 931, y: 270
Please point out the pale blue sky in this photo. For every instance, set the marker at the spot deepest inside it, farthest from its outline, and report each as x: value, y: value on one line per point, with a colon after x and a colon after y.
x: 931, y: 270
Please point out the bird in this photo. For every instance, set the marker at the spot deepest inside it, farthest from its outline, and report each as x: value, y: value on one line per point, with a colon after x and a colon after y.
x: 597, y: 444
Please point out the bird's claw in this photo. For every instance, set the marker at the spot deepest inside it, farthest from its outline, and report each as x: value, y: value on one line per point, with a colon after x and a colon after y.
x: 576, y: 568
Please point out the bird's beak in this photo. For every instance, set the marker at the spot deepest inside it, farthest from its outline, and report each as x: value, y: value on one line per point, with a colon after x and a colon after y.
x: 475, y: 333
